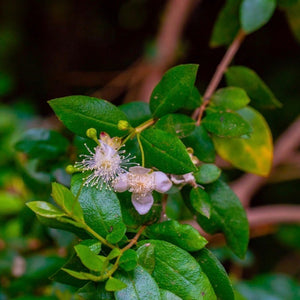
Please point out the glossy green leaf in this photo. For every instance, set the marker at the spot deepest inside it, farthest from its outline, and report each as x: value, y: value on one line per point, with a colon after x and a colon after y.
x: 101, y: 209
x: 256, y: 13
x: 113, y: 284
x: 175, y: 270
x: 177, y: 124
x: 173, y: 91
x: 176, y: 208
x: 136, y: 112
x: 261, y: 96
x: 202, y: 144
x: 140, y: 285
x: 227, y: 216
x: 92, y: 244
x: 79, y: 113
x: 88, y: 258
x: 181, y: 235
x: 226, y: 124
x: 67, y: 201
x: 79, y: 275
x: 200, y: 201
x: 165, y: 152
x: 42, y: 143
x: 194, y: 101
x: 95, y: 291
x: 45, y: 209
x: 167, y: 295
x: 232, y: 98
x: 254, y: 154
x: 207, y: 173
x: 128, y: 260
x: 227, y: 24
x: 216, y: 274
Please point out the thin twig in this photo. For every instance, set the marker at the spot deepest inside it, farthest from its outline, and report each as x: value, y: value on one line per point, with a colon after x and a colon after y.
x: 135, y: 239
x: 226, y: 60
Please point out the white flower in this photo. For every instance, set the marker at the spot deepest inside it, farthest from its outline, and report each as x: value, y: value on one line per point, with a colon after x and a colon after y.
x: 141, y: 182
x: 185, y: 178
x: 106, y: 162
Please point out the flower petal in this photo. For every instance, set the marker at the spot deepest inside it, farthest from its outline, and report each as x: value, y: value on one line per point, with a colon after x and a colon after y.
x: 121, y: 183
x: 162, y: 182
x: 142, y: 203
x: 139, y: 170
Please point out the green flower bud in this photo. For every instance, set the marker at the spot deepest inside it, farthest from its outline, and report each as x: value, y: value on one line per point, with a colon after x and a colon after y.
x: 123, y: 125
x: 70, y: 169
x: 91, y: 133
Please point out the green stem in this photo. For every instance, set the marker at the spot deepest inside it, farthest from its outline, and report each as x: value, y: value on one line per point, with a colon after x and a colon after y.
x: 141, y: 148
x: 144, y: 125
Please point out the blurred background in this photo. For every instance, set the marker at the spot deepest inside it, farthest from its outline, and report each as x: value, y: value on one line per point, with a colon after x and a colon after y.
x: 117, y: 50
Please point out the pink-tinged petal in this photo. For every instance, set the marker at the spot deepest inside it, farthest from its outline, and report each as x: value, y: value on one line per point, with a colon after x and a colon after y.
x: 142, y: 204
x: 121, y: 183
x: 162, y: 182
x: 139, y: 170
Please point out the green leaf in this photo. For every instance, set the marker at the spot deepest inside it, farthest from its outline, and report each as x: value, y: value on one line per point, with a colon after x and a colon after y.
x: 202, y: 144
x: 114, y: 253
x: 207, y: 173
x: 128, y: 260
x: 177, y: 124
x: 165, y: 152
x: 89, y: 258
x: 79, y: 275
x: 167, y: 295
x: 216, y: 274
x: 67, y: 201
x: 226, y: 124
x: 42, y: 144
x: 113, y: 285
x: 79, y: 113
x: 200, y: 201
x: 65, y: 224
x: 254, y: 154
x: 194, y: 101
x: 245, y: 78
x: 227, y: 216
x: 45, y: 209
x: 173, y: 91
x: 101, y: 209
x: 227, y: 24
x: 140, y: 285
x: 175, y: 270
x: 95, y: 291
x: 233, y: 98
x: 256, y: 13
x: 181, y: 235
x: 136, y: 112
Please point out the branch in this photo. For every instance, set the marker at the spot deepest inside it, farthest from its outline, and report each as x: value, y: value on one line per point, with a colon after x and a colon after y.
x: 247, y: 186
x: 174, y: 19
x: 226, y: 60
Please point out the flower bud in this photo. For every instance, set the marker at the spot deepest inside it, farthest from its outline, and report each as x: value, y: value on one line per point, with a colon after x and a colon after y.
x: 91, y: 133
x: 70, y: 169
x: 123, y: 125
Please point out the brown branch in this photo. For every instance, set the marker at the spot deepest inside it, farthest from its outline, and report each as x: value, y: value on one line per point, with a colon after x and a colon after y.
x: 263, y: 220
x: 135, y: 239
x: 174, y: 19
x: 226, y: 60
x: 246, y: 186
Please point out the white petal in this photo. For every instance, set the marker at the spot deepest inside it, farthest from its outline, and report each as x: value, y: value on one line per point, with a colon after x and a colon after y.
x: 189, y: 177
x: 177, y: 179
x: 142, y: 204
x: 139, y: 170
x: 162, y: 182
x: 121, y: 183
